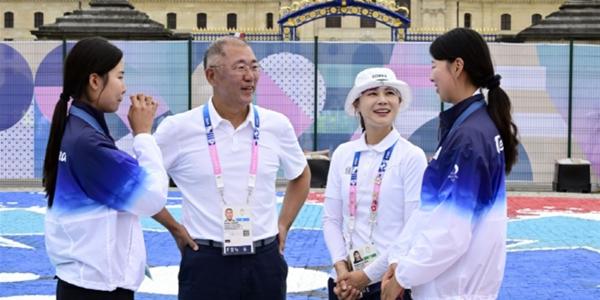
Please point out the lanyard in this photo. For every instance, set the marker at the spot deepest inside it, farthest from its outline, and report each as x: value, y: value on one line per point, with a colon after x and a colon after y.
x: 214, y: 155
x: 463, y: 116
x: 352, y: 205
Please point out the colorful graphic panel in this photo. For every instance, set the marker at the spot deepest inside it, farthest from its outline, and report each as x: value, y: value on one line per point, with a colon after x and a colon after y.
x: 536, y: 77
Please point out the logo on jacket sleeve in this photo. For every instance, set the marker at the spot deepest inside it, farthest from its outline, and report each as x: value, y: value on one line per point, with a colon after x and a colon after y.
x: 454, y: 174
x: 499, y: 144
x: 62, y: 156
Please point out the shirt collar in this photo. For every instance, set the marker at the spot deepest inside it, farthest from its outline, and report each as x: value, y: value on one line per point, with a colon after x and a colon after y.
x: 383, y: 145
x: 216, y: 119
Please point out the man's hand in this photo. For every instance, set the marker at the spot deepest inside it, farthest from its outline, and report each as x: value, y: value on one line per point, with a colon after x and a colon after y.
x: 178, y: 231
x: 282, y: 236
x: 295, y: 194
x: 390, y: 288
x: 182, y: 238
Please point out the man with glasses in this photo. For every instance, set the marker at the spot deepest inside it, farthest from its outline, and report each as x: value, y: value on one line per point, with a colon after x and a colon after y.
x: 224, y: 157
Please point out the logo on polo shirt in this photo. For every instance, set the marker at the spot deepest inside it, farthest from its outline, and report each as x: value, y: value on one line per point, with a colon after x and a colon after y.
x: 348, y: 170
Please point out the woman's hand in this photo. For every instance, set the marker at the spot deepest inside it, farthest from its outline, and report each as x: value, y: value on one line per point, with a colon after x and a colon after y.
x: 343, y: 290
x: 357, y: 279
x: 141, y: 113
x: 390, y: 288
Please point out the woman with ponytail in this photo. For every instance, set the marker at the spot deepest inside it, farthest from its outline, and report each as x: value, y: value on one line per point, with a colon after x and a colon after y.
x: 96, y: 192
x: 454, y: 245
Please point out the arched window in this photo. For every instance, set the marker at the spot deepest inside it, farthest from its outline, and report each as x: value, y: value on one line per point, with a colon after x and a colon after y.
x: 366, y: 22
x: 172, y: 20
x: 201, y: 21
x: 9, y: 19
x: 333, y: 22
x: 269, y: 21
x: 467, y: 20
x: 231, y: 21
x: 505, y: 22
x: 38, y: 19
x: 536, y: 19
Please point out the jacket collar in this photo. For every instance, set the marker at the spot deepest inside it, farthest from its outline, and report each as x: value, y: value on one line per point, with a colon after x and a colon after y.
x: 449, y: 116
x: 96, y: 114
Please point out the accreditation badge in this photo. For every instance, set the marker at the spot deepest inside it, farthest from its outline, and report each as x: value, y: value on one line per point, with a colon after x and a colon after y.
x: 237, y: 230
x: 360, y: 258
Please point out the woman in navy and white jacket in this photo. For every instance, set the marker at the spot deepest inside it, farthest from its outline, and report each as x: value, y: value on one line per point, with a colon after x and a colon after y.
x: 454, y: 245
x: 96, y: 193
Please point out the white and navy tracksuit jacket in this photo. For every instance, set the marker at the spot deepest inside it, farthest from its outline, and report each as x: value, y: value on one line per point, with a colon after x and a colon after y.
x: 93, y: 234
x: 453, y: 246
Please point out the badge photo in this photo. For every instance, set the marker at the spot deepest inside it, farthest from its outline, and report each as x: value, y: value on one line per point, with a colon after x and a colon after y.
x: 360, y: 258
x: 237, y: 231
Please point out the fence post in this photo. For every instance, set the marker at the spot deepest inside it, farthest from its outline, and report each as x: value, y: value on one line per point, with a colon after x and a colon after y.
x: 570, y: 116
x: 316, y: 89
x: 64, y: 50
x: 189, y: 52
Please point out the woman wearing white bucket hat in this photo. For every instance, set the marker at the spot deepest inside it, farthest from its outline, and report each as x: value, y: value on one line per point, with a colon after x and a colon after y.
x: 373, y: 186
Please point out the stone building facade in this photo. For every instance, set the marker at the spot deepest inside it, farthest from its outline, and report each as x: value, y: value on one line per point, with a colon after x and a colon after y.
x: 18, y: 18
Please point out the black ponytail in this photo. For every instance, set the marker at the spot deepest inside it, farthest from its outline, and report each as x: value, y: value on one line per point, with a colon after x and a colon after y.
x: 470, y: 46
x: 499, y: 108
x: 59, y: 120
x: 89, y: 56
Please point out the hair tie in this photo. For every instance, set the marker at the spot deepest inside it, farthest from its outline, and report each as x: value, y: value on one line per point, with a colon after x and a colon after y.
x: 493, y: 82
x: 64, y: 97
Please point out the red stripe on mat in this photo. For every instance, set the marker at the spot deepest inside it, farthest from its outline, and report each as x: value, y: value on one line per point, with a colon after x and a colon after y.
x: 526, y: 205
x: 531, y: 206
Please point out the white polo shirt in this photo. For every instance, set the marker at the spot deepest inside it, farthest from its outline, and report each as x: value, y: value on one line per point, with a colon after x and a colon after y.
x: 182, y: 139
x: 399, y: 196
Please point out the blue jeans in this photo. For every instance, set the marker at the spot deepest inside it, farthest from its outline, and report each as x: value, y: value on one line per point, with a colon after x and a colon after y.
x: 207, y: 274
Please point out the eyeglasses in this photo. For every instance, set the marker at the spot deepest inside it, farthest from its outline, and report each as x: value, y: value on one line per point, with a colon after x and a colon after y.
x: 243, y: 68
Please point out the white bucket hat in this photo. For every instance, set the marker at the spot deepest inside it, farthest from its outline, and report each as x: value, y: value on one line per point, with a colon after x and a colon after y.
x: 376, y: 77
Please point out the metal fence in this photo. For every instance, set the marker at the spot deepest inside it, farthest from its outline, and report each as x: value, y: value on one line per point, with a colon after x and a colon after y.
x: 430, y: 37
x: 552, y: 88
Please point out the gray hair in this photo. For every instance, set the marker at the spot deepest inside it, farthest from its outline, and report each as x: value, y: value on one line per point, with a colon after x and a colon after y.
x: 216, y: 48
